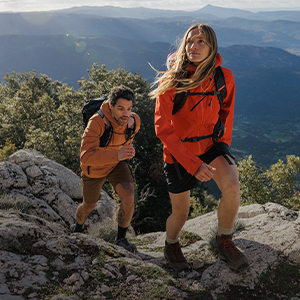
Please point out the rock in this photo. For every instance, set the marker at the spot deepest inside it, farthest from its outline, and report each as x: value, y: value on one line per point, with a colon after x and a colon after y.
x: 48, y: 189
x: 35, y: 164
x: 37, y: 247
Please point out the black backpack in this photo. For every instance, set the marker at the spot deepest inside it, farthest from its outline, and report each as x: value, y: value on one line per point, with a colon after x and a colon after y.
x: 91, y: 107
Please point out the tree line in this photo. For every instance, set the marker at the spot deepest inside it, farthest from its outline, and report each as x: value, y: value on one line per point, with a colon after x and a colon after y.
x: 39, y: 113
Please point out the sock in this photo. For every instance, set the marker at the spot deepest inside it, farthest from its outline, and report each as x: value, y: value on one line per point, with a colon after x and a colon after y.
x: 170, y: 241
x: 121, y: 232
x: 223, y: 230
x: 78, y: 227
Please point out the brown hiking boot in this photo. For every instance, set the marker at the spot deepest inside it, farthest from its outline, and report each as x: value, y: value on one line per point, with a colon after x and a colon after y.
x: 229, y: 252
x: 175, y: 258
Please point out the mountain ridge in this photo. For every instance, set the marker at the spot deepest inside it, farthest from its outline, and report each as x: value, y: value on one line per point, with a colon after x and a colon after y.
x: 230, y: 31
x: 211, y: 11
x: 261, y: 53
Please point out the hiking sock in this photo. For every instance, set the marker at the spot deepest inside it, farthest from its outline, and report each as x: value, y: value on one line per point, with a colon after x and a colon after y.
x: 121, y: 232
x: 223, y: 230
x: 170, y: 241
x: 78, y: 227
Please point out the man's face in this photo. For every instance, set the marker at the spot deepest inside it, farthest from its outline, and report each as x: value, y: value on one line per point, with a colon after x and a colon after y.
x: 122, y: 110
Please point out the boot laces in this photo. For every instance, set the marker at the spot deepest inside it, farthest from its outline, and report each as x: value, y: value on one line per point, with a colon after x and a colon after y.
x: 176, y: 250
x: 230, y: 248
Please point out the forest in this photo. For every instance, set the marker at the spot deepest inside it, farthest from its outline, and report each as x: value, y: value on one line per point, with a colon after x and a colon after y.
x: 39, y: 113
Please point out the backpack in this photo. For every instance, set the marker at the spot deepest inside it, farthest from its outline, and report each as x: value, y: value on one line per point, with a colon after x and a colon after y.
x: 91, y: 107
x: 218, y: 131
x: 220, y: 91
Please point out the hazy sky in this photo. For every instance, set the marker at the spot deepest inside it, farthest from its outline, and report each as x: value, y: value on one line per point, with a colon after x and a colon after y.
x: 38, y: 5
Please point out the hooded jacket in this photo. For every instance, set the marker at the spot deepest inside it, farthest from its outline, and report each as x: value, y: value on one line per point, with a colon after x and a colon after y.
x: 96, y: 161
x: 194, y: 119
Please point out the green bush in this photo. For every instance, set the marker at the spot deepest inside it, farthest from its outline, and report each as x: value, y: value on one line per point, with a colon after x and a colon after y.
x: 7, y: 150
x: 274, y: 185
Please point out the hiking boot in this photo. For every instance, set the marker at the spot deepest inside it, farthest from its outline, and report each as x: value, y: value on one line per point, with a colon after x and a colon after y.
x: 231, y: 254
x: 126, y: 245
x: 75, y: 228
x: 175, y: 258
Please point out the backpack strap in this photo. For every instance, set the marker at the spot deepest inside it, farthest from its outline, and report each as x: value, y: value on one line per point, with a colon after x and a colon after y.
x: 130, y: 131
x: 217, y: 134
x: 100, y: 112
x: 108, y: 132
x: 220, y: 91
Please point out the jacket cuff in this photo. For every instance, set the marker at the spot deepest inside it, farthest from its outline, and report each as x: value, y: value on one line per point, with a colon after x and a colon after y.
x: 195, y: 165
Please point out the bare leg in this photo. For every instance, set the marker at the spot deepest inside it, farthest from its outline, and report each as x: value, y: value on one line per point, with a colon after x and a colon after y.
x: 227, y: 178
x: 83, y: 211
x: 125, y: 191
x: 180, y: 210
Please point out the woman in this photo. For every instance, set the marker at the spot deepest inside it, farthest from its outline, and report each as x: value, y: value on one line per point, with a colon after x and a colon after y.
x: 189, y: 160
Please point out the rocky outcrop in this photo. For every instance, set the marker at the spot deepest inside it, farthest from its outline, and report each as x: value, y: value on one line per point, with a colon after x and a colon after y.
x: 41, y: 259
x: 48, y: 189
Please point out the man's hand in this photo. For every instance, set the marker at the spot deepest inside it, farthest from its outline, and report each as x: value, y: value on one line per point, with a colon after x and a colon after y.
x: 205, y: 172
x: 126, y: 152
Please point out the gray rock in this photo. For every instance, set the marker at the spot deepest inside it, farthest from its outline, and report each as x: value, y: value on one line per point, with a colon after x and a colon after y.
x: 37, y: 246
x: 69, y: 182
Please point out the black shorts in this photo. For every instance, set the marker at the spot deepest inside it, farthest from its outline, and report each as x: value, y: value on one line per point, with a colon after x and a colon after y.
x: 187, y: 181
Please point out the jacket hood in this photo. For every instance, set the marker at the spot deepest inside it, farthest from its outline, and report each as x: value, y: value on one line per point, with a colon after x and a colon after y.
x: 107, y: 113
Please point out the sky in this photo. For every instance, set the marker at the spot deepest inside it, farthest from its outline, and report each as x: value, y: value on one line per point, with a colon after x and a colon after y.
x: 188, y: 5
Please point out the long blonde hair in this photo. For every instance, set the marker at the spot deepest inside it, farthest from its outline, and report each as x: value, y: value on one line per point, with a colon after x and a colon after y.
x: 178, y: 72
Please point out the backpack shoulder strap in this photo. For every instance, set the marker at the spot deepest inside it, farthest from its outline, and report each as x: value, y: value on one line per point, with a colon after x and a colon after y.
x: 100, y: 112
x: 220, y: 84
x: 220, y: 91
x: 107, y: 134
x: 130, y: 130
x: 179, y: 101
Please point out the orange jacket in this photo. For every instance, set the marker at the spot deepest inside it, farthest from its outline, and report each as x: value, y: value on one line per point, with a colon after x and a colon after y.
x: 171, y: 129
x: 97, y: 162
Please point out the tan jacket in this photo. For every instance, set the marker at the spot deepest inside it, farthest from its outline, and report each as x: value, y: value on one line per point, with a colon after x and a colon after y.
x: 97, y: 162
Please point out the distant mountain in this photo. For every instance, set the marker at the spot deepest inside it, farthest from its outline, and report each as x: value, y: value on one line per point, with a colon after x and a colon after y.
x: 257, y: 47
x: 209, y: 12
x: 66, y: 58
x: 230, y: 31
x: 262, y: 73
x: 280, y: 15
x: 224, y: 13
x: 135, y: 13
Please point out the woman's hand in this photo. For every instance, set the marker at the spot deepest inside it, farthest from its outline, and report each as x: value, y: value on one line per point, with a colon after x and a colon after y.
x: 205, y: 172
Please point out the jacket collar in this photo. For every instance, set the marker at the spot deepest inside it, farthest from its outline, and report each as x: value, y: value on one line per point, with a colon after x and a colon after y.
x: 192, y: 68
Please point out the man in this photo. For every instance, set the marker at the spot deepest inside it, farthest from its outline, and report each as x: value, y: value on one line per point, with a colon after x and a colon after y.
x: 99, y: 163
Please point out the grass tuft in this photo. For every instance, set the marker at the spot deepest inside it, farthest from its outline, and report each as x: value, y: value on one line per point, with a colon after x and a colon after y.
x: 9, y: 203
x: 106, y: 230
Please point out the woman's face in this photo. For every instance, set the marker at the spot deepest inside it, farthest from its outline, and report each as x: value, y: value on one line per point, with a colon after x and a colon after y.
x: 196, y: 47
